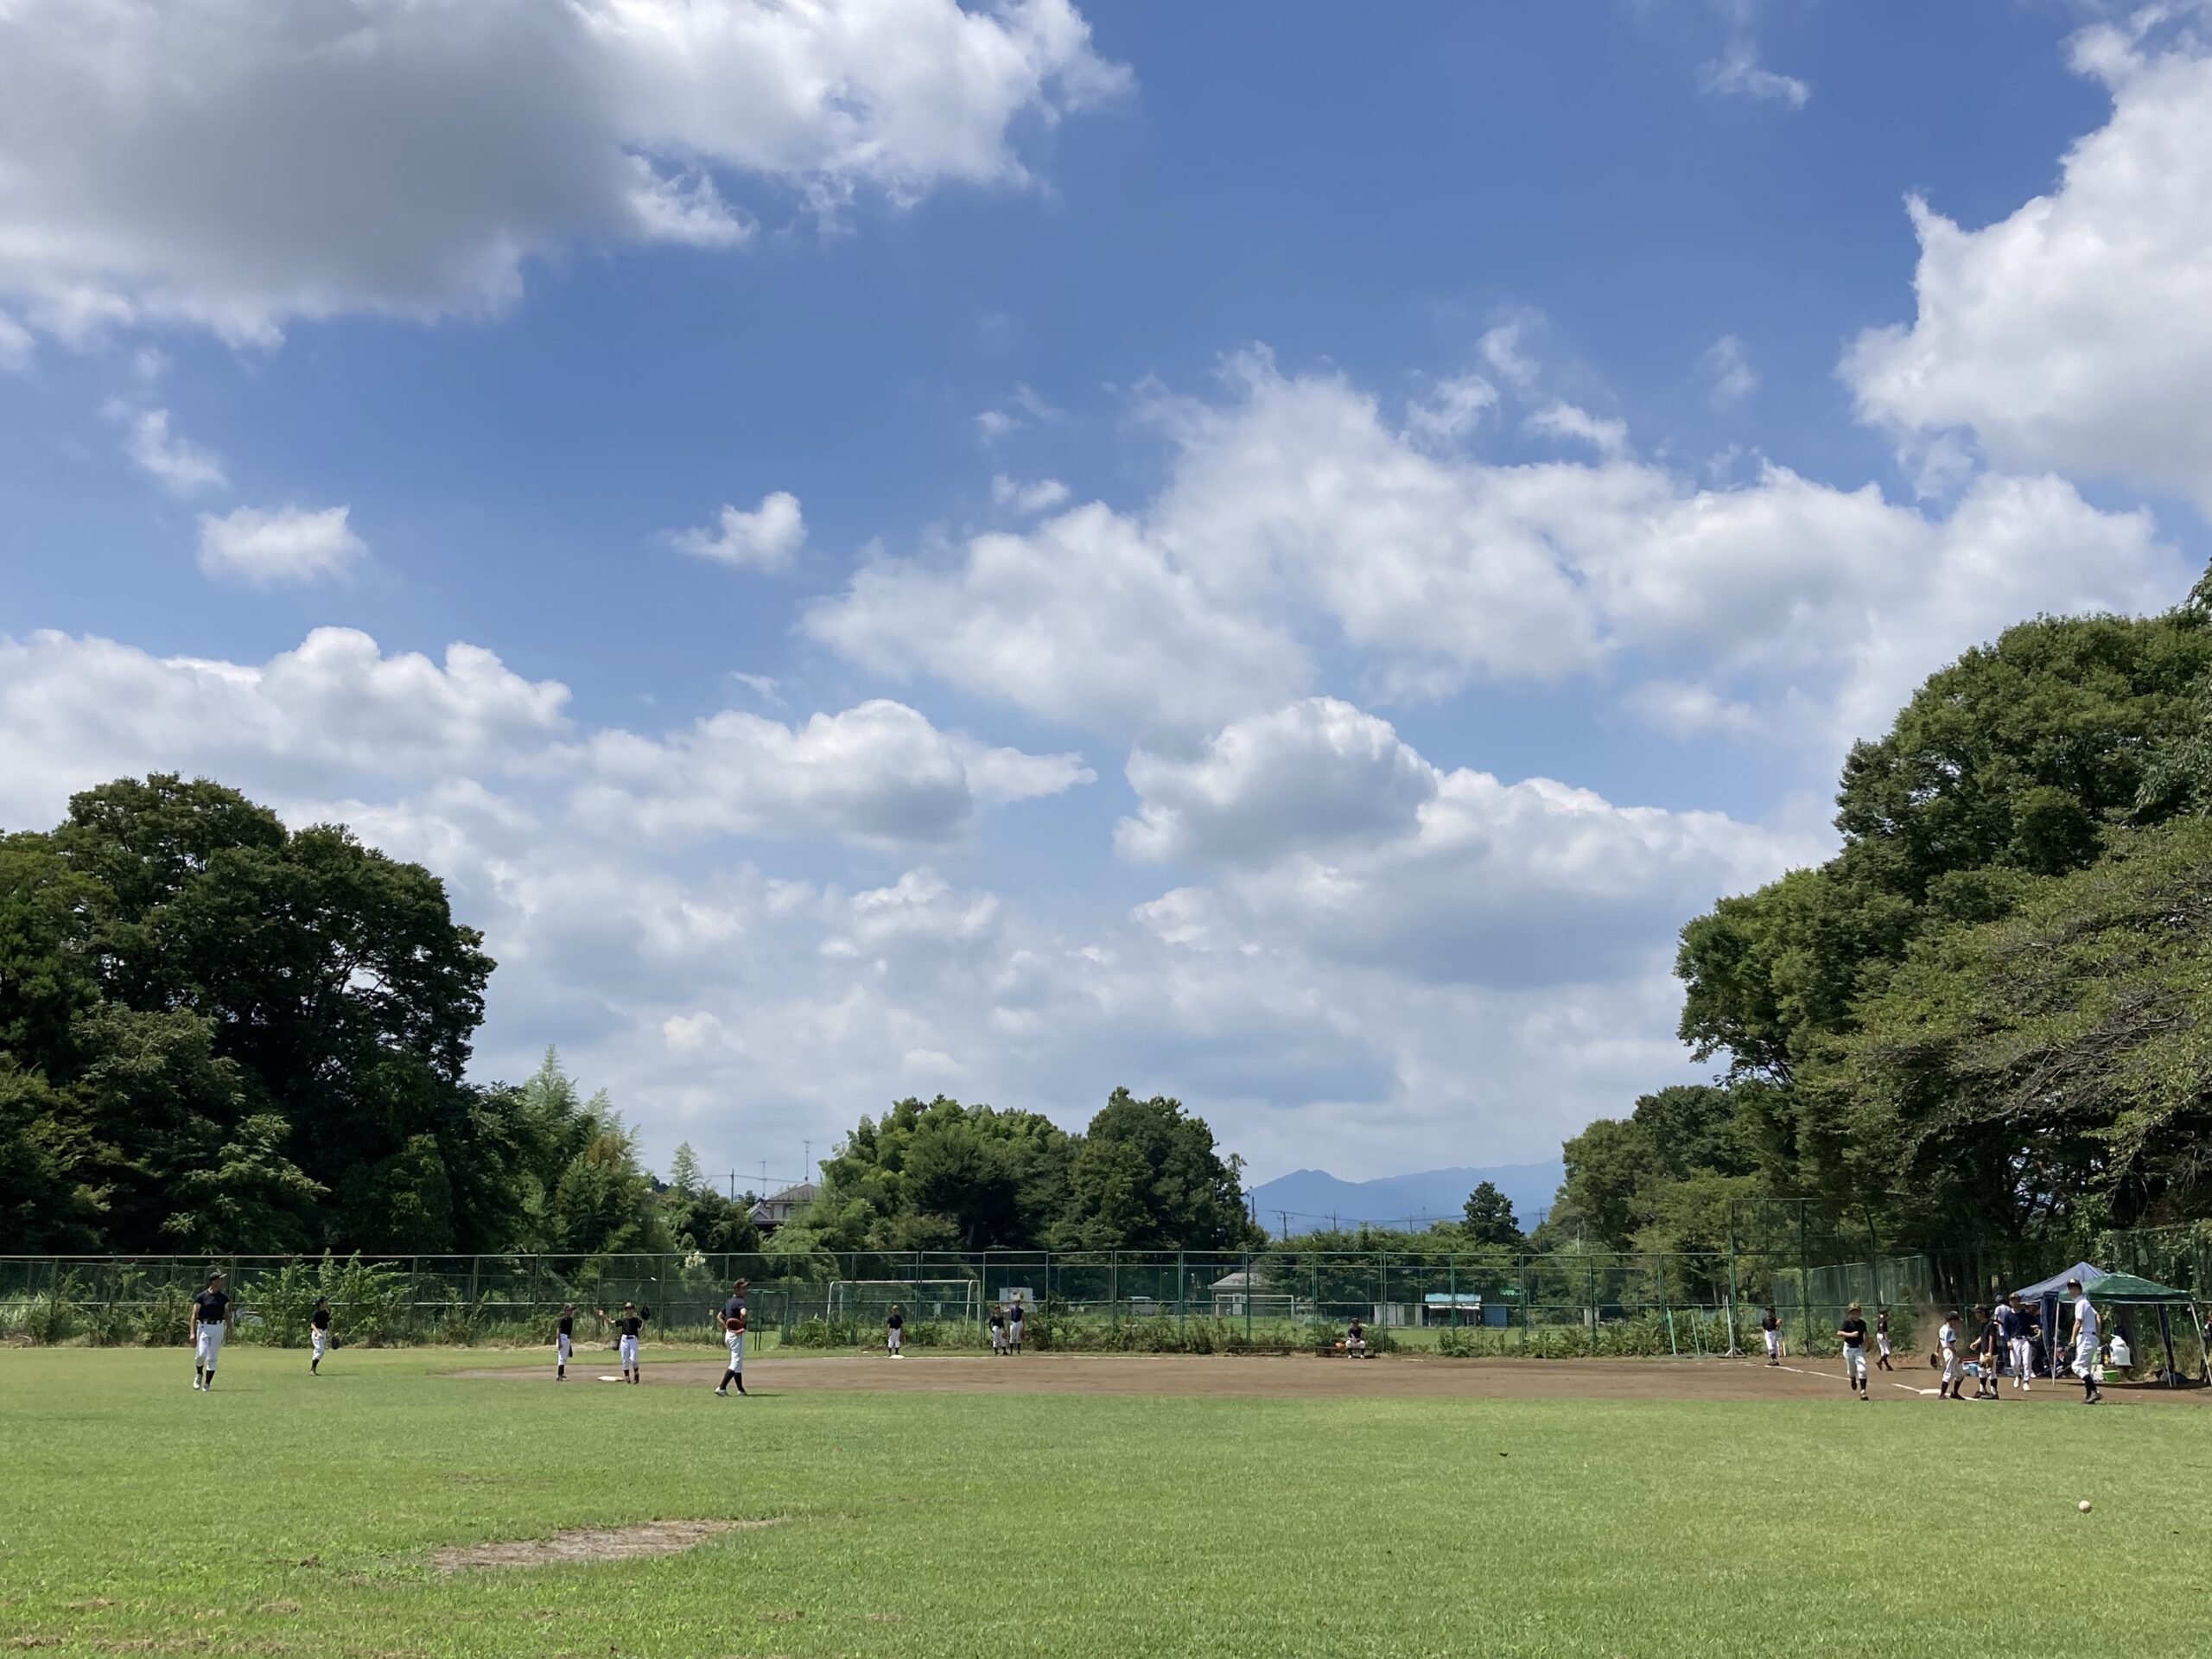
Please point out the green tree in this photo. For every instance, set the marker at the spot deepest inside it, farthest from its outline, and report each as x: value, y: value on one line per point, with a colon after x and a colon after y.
x: 2053, y: 1068
x: 1490, y: 1218
x: 939, y: 1175
x: 684, y: 1176
x: 247, y: 1196
x: 330, y: 980
x: 46, y: 1202
x: 1149, y: 1176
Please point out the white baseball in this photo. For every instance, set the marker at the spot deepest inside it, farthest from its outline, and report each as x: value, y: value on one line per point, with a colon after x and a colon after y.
x: 2085, y: 1506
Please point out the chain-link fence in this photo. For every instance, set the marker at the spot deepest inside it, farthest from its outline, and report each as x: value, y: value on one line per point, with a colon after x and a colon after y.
x: 1487, y: 1302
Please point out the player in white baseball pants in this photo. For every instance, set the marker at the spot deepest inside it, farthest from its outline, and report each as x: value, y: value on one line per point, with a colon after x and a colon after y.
x: 2086, y: 1328
x: 733, y: 1322
x: 212, y: 1315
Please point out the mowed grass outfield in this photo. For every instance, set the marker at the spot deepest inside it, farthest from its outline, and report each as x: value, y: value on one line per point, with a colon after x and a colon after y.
x: 289, y: 1515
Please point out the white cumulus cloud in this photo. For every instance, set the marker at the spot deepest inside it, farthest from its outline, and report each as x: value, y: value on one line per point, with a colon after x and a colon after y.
x: 235, y: 164
x: 879, y: 772
x: 1297, y: 524
x: 180, y: 465
x: 1314, y: 772
x: 266, y: 547
x: 2075, y: 334
x: 1327, y: 830
x: 766, y: 538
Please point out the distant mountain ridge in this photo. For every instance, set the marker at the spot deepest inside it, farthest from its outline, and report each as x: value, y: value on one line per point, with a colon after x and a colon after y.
x: 1310, y: 1197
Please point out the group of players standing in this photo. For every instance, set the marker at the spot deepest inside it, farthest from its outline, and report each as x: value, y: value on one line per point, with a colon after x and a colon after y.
x: 2010, y: 1333
x: 629, y: 1328
x: 2004, y: 1341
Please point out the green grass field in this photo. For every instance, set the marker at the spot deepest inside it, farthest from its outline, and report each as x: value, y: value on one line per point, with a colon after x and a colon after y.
x: 283, y: 1514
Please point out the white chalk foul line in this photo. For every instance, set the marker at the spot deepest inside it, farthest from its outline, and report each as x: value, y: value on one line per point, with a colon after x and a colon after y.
x: 1831, y: 1376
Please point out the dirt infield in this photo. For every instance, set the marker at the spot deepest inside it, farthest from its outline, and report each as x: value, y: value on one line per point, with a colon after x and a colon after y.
x: 1394, y: 1378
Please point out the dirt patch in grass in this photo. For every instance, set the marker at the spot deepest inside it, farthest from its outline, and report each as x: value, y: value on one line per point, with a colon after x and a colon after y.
x: 587, y: 1544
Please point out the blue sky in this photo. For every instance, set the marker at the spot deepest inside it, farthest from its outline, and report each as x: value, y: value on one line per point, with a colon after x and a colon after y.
x: 1263, y: 553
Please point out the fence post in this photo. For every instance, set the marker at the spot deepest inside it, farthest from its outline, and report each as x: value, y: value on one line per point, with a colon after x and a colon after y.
x: 1804, y: 1285
x: 985, y: 1288
x: 1589, y: 1268
x: 1731, y: 1277
x: 1452, y: 1271
x: 1182, y: 1283
x: 1248, y: 1297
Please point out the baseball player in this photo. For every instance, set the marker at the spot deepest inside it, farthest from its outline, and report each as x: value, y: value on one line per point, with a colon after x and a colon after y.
x: 734, y: 1339
x: 2024, y: 1345
x: 1013, y: 1327
x: 1853, y: 1332
x: 1988, y: 1347
x: 1771, y: 1328
x: 564, y: 1341
x: 1882, y: 1340
x: 629, y: 1327
x: 212, y: 1319
x: 998, y: 1329
x: 895, y: 1331
x: 2086, y: 1326
x: 319, y: 1334
x: 1947, y: 1339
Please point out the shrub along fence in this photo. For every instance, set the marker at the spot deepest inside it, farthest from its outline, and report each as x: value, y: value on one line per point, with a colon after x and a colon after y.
x: 1277, y: 1302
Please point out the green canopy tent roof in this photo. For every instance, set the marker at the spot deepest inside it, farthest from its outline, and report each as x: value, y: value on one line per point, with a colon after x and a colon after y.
x: 2128, y: 1288
x: 2132, y: 1288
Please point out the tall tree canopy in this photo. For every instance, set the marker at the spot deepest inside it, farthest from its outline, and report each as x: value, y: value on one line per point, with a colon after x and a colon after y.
x: 217, y: 1034
x: 1981, y: 1015
x: 942, y: 1175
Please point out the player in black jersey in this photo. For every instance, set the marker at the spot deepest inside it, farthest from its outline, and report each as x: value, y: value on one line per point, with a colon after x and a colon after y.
x: 319, y: 1334
x: 564, y: 1341
x: 629, y: 1328
x: 1853, y: 1332
x: 733, y: 1319
x: 212, y: 1317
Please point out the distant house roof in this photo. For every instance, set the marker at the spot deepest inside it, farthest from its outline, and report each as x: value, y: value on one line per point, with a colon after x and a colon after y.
x: 779, y: 1206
